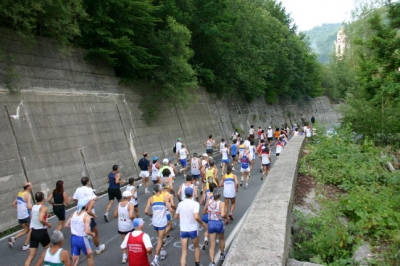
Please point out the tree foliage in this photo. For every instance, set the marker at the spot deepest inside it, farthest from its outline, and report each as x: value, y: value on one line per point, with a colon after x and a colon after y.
x: 378, y: 76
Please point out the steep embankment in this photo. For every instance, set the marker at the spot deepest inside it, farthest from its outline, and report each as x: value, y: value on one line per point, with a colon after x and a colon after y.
x: 65, y: 118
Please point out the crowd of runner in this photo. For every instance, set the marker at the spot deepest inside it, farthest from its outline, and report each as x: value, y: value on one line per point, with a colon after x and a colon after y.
x: 206, y: 198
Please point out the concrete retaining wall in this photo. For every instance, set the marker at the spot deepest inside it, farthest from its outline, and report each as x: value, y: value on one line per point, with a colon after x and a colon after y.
x: 264, y: 238
x: 62, y: 117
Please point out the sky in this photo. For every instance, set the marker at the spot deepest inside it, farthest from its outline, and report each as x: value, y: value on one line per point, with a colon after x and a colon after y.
x: 308, y: 14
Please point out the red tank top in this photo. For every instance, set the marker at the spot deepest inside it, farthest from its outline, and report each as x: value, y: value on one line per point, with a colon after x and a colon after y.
x: 137, y: 253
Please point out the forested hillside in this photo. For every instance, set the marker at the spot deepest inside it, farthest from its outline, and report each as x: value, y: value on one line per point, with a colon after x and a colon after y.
x: 322, y: 40
x: 244, y: 47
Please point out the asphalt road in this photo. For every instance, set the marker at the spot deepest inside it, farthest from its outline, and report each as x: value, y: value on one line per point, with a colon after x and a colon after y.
x: 109, y: 236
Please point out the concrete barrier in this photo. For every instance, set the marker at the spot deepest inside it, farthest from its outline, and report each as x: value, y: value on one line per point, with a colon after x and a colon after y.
x: 264, y: 238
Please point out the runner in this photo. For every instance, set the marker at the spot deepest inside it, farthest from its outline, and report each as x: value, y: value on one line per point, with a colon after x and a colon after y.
x: 270, y: 135
x: 207, y: 196
x: 39, y: 225
x: 168, y: 196
x: 55, y: 255
x: 144, y: 165
x: 174, y: 170
x: 209, y: 145
x: 60, y: 200
x: 252, y: 156
x: 166, y: 178
x: 242, y: 148
x: 259, y: 151
x: 189, y: 183
x: 251, y: 133
x: 279, y: 147
x: 114, y: 189
x: 262, y: 136
x: 160, y: 179
x: 155, y: 168
x: 178, y: 146
x: 79, y: 221
x: 259, y: 133
x: 265, y: 161
x: 233, y: 152
x: 231, y: 187
x: 277, y: 134
x: 138, y: 245
x: 195, y: 165
x: 247, y: 142
x: 23, y: 204
x: 225, y: 157
x: 183, y: 155
x: 216, y: 213
x: 85, y: 192
x: 245, y: 168
x: 221, y: 146
x: 134, y: 199
x: 211, y: 176
x: 159, y: 207
x: 125, y: 214
x: 188, y: 213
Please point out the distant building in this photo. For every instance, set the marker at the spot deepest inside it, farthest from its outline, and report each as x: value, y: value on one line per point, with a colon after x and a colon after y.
x: 340, y: 43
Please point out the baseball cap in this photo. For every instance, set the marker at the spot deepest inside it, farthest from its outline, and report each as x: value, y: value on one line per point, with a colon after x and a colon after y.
x: 155, y: 158
x: 179, y: 139
x: 188, y: 191
x: 137, y: 222
x: 165, y: 161
x: 82, y: 203
x: 126, y: 194
x: 269, y: 127
x: 205, y: 155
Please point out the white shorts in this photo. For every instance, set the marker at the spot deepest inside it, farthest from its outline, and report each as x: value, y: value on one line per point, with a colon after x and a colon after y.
x: 244, y: 170
x: 144, y: 174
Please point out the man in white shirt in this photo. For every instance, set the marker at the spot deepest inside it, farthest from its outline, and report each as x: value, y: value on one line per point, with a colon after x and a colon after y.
x: 188, y: 213
x: 183, y: 155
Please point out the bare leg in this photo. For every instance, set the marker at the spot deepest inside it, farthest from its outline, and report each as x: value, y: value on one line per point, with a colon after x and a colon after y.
x: 222, y: 243
x: 211, y: 251
x: 196, y: 249
x: 184, y: 244
x: 233, y: 201
x: 60, y: 225
x: 32, y: 254
x: 110, y: 203
x: 161, y: 234
x: 89, y: 259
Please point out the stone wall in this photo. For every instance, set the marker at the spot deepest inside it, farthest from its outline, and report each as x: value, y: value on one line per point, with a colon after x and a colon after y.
x: 63, y: 118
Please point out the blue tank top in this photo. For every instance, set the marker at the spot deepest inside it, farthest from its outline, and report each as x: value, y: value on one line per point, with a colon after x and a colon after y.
x: 233, y: 149
x: 245, y: 162
x: 111, y: 181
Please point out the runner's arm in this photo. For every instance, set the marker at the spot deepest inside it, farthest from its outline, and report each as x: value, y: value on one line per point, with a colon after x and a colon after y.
x: 65, y: 257
x: 86, y: 219
x: 90, y: 208
x: 49, y: 198
x: 146, y: 210
x: 66, y: 198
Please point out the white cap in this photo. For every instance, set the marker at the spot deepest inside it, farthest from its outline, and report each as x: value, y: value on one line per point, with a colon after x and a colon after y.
x: 269, y: 127
x: 205, y: 155
x: 165, y: 161
x: 126, y: 194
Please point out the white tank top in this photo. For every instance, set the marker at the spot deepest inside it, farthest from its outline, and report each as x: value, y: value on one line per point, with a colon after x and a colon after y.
x: 159, y: 211
x: 252, y: 153
x: 229, y: 186
x: 154, y: 172
x: 134, y: 199
x: 182, y: 154
x: 262, y: 136
x: 194, y: 166
x: 77, y: 224
x: 214, y: 213
x: 183, y: 196
x: 224, y: 152
x: 265, y: 158
x: 35, y: 222
x: 53, y: 259
x: 209, y: 144
x: 125, y: 224
x: 269, y: 133
x: 222, y: 145
x: 279, y: 148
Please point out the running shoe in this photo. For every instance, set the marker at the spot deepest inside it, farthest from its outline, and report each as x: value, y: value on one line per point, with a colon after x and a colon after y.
x: 205, y: 244
x: 146, y: 191
x: 100, y: 249
x: 262, y: 177
x: 230, y: 217
x: 124, y: 260
x: 11, y: 241
x: 25, y: 247
x: 223, y: 255
x: 106, y: 218
x: 163, y: 254
x: 241, y: 183
x: 155, y: 263
x: 247, y: 185
x: 212, y: 264
x: 260, y: 170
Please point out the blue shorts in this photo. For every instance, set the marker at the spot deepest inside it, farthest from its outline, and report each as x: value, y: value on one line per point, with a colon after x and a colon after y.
x: 183, y: 162
x: 216, y: 227
x: 204, y: 218
x: 196, y: 176
x: 159, y: 228
x: 225, y: 161
x: 192, y: 234
x: 168, y: 217
x: 80, y: 243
